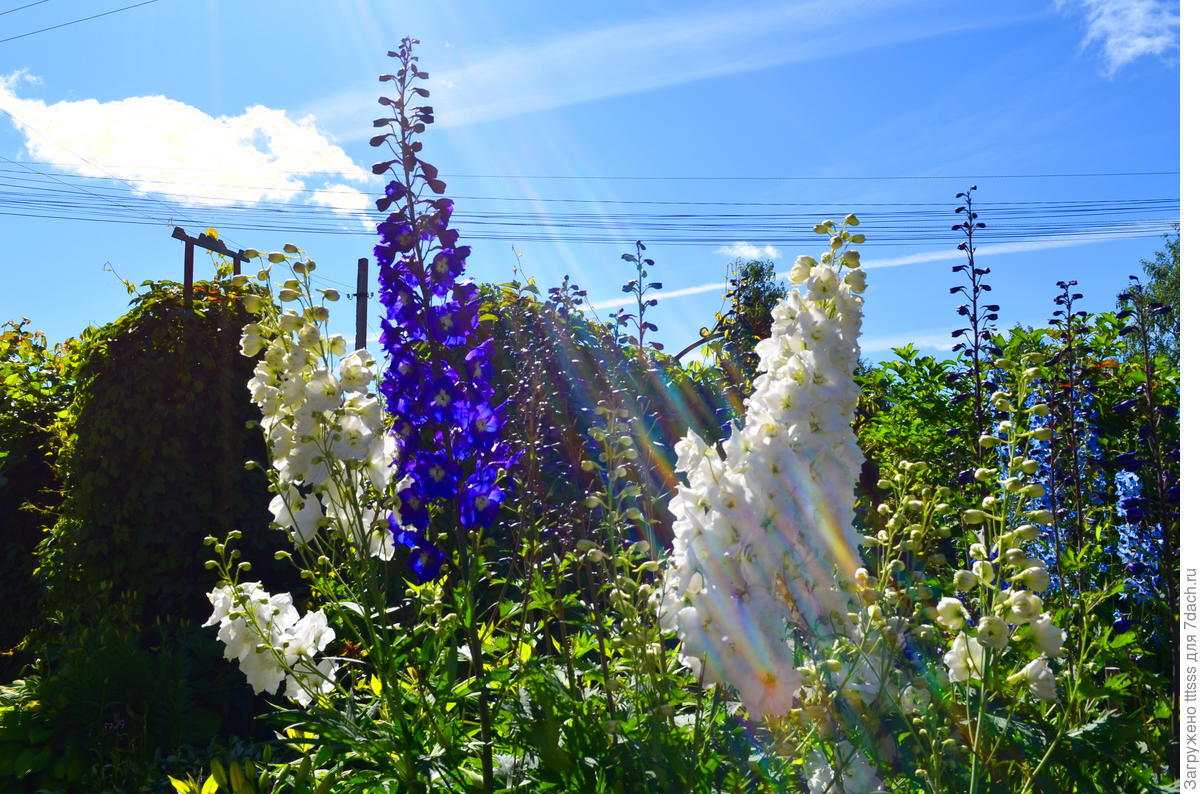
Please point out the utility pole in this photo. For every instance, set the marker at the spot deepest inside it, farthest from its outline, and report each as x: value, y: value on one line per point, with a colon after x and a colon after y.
x: 360, y: 320
x: 189, y: 258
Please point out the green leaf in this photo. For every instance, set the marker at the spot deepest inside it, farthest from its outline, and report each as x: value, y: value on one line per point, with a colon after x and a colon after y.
x: 1121, y: 640
x: 218, y: 773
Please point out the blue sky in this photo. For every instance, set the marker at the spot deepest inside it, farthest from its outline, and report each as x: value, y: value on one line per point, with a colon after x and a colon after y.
x: 626, y: 115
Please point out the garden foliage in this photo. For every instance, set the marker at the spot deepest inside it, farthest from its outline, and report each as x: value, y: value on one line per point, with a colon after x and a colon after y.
x: 534, y: 553
x: 144, y: 421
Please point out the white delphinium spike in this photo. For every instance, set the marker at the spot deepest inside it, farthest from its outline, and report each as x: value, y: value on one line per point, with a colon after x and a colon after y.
x: 764, y: 534
x: 270, y: 640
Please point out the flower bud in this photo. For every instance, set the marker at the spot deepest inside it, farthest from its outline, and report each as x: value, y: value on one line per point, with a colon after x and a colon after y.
x: 1047, y: 637
x: 1039, y: 677
x: 856, y: 280
x: 1021, y: 607
x: 1041, y: 516
x: 993, y: 632
x: 1027, y: 532
x: 965, y: 580
x: 951, y: 614
x: 984, y: 571
x: 974, y: 516
x: 1036, y: 578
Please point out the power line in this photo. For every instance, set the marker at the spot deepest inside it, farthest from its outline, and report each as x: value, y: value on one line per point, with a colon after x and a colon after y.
x: 27, y: 5
x: 74, y: 21
x: 518, y: 232
x: 1073, y: 175
x: 519, y: 199
x: 1067, y: 214
x: 892, y: 223
x: 967, y: 177
x: 36, y: 190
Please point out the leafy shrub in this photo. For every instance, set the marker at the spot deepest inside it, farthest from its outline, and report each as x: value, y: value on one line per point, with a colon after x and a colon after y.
x: 156, y: 442
x: 37, y: 381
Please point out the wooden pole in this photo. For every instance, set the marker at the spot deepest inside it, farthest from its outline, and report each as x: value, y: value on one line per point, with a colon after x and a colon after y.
x: 207, y: 243
x: 189, y: 257
x: 360, y: 320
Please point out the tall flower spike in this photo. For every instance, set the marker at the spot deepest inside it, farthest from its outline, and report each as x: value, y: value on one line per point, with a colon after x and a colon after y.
x: 764, y: 538
x: 435, y: 385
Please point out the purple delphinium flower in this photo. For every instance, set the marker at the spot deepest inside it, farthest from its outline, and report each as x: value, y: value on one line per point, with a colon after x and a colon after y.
x: 1139, y: 543
x: 435, y: 385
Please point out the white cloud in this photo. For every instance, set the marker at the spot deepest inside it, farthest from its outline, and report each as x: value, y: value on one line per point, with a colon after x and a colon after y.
x: 1129, y: 29
x: 673, y: 293
x: 653, y: 52
x: 344, y: 200
x: 744, y: 250
x: 163, y: 146
x: 926, y: 341
x: 1115, y: 232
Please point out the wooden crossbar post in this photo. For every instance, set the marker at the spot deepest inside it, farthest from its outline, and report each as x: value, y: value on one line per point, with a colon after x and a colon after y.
x: 189, y: 261
x: 209, y: 244
x: 360, y: 320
